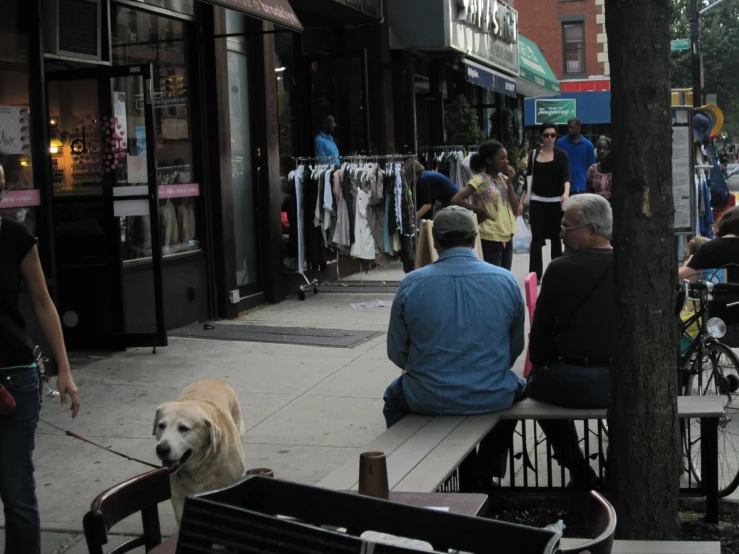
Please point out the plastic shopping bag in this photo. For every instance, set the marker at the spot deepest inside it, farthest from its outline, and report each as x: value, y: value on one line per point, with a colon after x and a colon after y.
x: 521, y: 238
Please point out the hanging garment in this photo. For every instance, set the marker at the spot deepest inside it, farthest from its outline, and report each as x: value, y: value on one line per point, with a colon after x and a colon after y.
x: 342, y: 235
x: 347, y: 191
x: 299, y: 179
x: 364, y: 245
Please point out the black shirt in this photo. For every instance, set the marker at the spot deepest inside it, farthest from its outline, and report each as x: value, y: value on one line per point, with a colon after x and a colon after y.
x: 716, y: 254
x: 15, y: 242
x: 549, y: 177
x: 591, y: 332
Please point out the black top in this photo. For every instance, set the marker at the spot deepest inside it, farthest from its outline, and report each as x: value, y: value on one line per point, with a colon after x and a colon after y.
x: 716, y: 254
x: 433, y: 186
x: 15, y: 242
x: 591, y: 332
x: 549, y: 177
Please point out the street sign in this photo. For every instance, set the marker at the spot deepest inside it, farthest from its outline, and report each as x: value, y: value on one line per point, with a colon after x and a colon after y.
x: 680, y: 44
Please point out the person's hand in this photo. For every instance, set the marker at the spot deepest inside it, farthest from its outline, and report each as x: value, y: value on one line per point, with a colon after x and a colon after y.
x: 510, y: 172
x: 565, y: 196
x: 66, y: 386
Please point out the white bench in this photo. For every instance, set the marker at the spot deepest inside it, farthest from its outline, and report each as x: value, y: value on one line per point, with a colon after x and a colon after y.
x: 423, y: 451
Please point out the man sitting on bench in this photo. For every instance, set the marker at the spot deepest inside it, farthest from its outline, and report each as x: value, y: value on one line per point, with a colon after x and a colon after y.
x: 456, y: 328
x: 573, y: 335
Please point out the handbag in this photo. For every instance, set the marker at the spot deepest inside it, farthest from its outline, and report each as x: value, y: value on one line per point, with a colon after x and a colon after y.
x: 530, y: 179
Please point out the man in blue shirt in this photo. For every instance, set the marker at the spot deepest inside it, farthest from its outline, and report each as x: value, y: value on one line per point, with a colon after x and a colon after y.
x: 456, y: 328
x: 581, y: 153
x: 324, y: 142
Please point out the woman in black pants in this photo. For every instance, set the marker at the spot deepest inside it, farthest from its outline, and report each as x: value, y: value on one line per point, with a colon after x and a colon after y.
x: 548, y: 186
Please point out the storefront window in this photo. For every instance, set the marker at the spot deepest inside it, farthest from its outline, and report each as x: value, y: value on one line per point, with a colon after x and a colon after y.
x: 138, y: 38
x: 15, y: 144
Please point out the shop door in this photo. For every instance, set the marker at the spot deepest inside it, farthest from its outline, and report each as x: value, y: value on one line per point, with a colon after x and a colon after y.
x: 105, y: 189
x: 339, y: 86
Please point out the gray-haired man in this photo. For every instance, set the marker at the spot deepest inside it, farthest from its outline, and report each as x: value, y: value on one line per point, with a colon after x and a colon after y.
x: 573, y: 335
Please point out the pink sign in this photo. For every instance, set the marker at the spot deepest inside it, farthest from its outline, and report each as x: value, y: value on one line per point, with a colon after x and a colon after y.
x: 179, y: 191
x: 21, y: 199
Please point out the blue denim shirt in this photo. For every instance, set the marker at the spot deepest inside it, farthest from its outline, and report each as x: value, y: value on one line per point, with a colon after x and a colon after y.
x: 582, y: 156
x: 326, y: 148
x: 457, y: 327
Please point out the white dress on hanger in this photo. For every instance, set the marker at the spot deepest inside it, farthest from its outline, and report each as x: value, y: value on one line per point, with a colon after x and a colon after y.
x: 364, y: 245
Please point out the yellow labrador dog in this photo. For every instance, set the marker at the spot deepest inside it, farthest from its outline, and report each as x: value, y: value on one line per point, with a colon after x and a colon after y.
x: 199, y: 440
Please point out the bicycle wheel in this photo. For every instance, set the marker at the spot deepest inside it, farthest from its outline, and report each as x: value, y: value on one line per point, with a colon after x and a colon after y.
x: 717, y: 375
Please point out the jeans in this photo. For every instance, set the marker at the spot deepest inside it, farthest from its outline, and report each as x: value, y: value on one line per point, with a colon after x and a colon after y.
x: 493, y: 453
x: 536, y: 260
x: 572, y: 387
x: 17, y: 484
x: 498, y: 253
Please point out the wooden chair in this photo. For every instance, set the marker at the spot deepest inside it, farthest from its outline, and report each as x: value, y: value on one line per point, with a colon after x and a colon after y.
x: 139, y: 494
x: 601, y: 521
x: 532, y: 293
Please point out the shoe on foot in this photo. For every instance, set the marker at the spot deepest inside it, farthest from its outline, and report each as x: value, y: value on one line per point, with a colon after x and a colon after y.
x: 583, y: 479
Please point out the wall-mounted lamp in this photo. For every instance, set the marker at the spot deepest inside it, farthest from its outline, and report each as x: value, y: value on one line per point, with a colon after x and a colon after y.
x: 279, y: 69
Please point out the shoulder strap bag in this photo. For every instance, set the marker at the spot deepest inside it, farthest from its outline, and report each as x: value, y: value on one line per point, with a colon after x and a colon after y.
x: 530, y: 178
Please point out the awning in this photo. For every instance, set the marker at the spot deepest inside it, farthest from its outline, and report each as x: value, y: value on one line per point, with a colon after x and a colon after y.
x: 485, y: 77
x: 536, y: 78
x: 277, y: 11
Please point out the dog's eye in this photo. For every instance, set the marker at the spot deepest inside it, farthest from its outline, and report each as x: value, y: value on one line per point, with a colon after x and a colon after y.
x: 162, y: 425
x: 183, y: 428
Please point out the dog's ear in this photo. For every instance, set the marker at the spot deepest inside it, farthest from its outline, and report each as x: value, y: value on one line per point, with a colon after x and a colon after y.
x: 157, y: 416
x: 215, y: 433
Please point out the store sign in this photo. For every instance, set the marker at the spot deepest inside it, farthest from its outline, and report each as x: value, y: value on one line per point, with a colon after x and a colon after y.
x: 488, y: 79
x: 367, y: 6
x: 494, y: 18
x: 21, y: 199
x: 486, y: 31
x: 179, y: 191
x: 558, y: 112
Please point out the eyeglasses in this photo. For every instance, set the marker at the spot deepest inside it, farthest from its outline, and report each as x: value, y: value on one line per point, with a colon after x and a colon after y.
x: 549, y: 135
x: 565, y: 229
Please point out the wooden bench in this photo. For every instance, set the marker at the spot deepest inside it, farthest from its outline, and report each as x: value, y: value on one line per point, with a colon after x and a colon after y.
x: 423, y: 451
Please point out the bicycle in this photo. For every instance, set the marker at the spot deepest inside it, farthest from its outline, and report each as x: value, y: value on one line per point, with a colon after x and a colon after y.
x: 709, y: 367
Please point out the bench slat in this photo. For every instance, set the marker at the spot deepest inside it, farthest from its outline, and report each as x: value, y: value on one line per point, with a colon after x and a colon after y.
x: 346, y: 477
x: 434, y: 469
x: 654, y: 547
x: 687, y: 406
x: 401, y: 462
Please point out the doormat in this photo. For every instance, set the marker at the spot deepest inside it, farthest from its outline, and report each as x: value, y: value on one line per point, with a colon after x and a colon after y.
x: 304, y: 336
x: 355, y: 287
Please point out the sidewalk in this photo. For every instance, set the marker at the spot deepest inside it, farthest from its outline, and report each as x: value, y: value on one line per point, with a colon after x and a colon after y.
x: 306, y: 409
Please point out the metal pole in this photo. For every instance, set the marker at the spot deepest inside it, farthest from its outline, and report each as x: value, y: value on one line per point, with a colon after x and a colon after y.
x: 695, y: 49
x: 709, y: 8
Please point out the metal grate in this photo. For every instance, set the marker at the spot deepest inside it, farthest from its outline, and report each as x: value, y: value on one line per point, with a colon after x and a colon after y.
x: 335, y: 338
x: 78, y: 27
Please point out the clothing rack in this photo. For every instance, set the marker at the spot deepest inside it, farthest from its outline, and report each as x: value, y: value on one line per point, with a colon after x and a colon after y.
x: 331, y: 160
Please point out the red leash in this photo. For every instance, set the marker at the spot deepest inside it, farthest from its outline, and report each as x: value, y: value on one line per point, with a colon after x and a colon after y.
x: 83, y: 439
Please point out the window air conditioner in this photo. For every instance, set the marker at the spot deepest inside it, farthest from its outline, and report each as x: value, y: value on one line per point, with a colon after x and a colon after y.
x: 72, y: 28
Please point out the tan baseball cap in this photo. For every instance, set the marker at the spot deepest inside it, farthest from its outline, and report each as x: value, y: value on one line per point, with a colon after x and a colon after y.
x: 454, y: 223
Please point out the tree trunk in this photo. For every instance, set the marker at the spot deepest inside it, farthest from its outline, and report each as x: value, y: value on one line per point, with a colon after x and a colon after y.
x: 644, y: 468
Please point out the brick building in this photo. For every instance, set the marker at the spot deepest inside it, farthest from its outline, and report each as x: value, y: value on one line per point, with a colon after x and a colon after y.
x: 572, y: 36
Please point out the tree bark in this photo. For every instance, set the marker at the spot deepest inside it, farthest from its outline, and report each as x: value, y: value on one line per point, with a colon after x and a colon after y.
x: 644, y: 468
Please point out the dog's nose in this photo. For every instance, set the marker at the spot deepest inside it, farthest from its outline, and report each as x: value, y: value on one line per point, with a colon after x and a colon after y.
x: 163, y: 450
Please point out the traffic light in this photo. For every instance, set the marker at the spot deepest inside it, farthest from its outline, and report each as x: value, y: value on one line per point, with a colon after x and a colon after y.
x: 179, y: 90
x: 724, y: 135
x: 166, y: 85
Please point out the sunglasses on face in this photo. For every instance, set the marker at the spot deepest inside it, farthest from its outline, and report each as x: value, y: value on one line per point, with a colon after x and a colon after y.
x: 549, y: 135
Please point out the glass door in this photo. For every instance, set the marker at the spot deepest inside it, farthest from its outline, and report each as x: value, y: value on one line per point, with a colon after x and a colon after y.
x: 245, y: 198
x: 105, y: 192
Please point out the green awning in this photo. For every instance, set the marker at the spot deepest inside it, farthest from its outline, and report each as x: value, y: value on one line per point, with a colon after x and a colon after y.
x: 535, y: 70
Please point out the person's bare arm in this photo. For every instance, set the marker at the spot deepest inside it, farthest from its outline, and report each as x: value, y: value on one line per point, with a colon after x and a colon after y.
x: 511, y: 183
x: 464, y: 194
x: 423, y: 210
x: 33, y: 277
x: 688, y: 273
